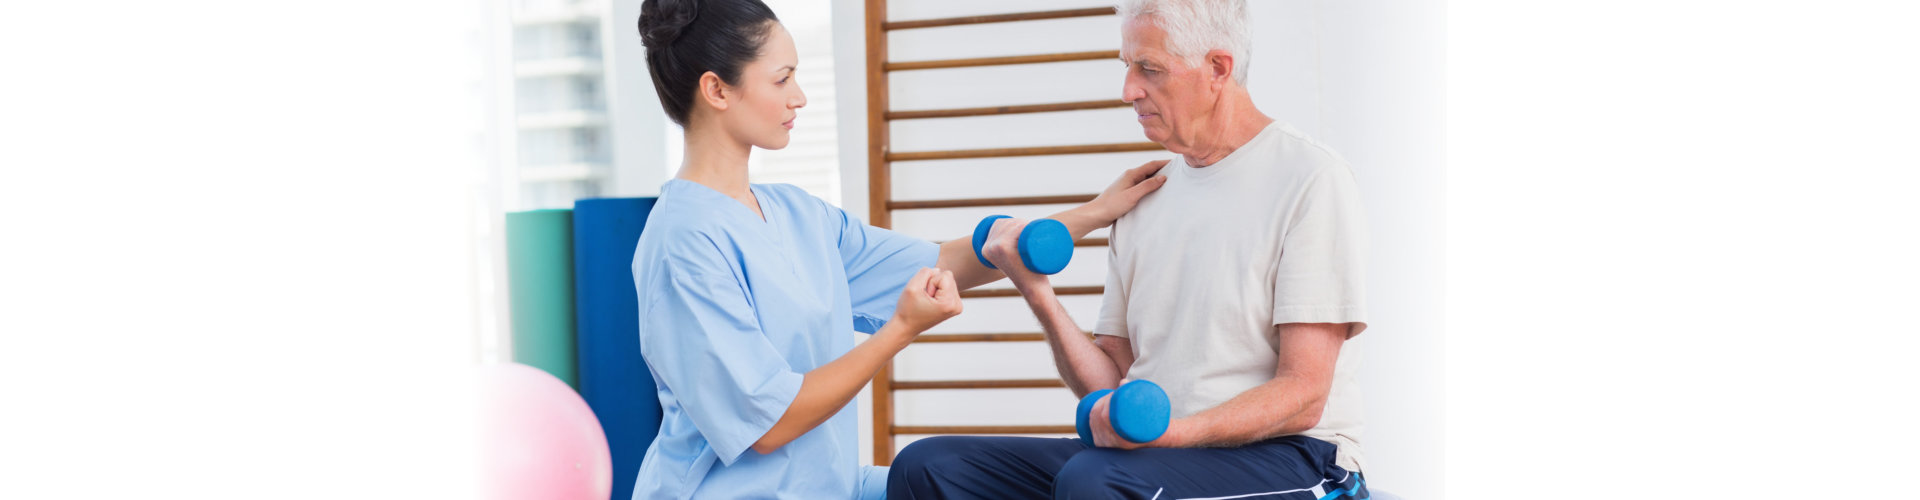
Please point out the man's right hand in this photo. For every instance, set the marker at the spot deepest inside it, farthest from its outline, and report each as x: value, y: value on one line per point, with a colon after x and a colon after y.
x: 930, y: 298
x: 1003, y: 250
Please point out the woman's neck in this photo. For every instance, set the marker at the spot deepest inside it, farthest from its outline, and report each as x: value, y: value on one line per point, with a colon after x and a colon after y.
x: 715, y: 160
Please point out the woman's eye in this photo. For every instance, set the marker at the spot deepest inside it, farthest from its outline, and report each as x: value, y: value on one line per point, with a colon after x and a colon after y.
x: 783, y: 80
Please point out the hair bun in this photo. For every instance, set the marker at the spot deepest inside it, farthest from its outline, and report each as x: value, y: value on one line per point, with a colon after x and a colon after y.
x: 662, y: 21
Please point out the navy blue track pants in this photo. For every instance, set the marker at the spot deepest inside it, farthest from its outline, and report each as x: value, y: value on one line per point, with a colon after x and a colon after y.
x: 1002, y: 468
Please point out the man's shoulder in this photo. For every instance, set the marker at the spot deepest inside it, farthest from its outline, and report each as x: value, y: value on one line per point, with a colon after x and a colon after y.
x: 1299, y: 152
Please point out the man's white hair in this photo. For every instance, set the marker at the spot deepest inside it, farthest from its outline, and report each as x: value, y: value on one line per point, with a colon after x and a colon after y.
x: 1196, y: 26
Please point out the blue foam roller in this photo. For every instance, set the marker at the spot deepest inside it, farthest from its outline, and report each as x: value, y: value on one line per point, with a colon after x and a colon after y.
x: 1086, y: 409
x: 613, y: 379
x: 1140, y: 411
x: 980, y: 238
x: 1046, y: 246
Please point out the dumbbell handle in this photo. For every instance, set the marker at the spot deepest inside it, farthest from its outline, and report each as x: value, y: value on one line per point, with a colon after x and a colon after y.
x: 1139, y: 412
x: 1045, y: 245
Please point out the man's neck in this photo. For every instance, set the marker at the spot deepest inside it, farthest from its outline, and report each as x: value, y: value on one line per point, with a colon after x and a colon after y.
x: 1233, y: 123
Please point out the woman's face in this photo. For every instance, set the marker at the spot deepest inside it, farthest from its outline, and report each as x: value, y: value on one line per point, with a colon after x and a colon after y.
x: 762, y: 107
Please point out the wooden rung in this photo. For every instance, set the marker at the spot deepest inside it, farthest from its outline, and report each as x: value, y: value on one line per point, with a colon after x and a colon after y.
x: 1046, y: 383
x: 1002, y: 61
x: 979, y: 337
x: 991, y: 202
x: 983, y: 429
x: 1009, y: 292
x: 997, y: 18
x: 955, y: 154
x: 1006, y: 110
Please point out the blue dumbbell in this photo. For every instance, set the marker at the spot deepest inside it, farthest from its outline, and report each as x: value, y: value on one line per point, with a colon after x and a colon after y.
x: 1139, y: 412
x: 1045, y: 245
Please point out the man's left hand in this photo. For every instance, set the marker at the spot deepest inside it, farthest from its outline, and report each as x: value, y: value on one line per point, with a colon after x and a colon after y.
x: 1105, y: 437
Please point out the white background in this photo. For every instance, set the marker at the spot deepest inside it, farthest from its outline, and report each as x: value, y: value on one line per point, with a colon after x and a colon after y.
x: 1678, y: 261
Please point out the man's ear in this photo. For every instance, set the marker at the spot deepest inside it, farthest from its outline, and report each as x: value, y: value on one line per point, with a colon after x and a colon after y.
x: 713, y: 91
x: 1219, y: 66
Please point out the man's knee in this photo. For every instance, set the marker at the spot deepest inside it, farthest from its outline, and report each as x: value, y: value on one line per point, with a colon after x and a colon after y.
x: 924, y: 460
x: 1096, y: 473
x: 934, y: 453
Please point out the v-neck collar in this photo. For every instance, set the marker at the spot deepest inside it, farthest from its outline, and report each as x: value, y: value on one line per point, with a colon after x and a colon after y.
x: 765, y: 216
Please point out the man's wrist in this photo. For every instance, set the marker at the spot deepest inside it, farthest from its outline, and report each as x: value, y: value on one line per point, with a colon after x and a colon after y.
x: 1180, y: 434
x: 1035, y: 288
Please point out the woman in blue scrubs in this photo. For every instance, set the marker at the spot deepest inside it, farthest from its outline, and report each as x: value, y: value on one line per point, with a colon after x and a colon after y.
x: 747, y: 292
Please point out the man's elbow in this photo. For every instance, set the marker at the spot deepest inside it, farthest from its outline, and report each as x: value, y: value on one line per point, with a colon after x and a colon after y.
x: 1307, y: 419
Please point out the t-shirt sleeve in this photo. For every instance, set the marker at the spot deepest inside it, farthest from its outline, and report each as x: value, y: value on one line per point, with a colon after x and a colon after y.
x: 704, y: 343
x: 878, y: 263
x: 1113, y: 298
x: 1321, y: 275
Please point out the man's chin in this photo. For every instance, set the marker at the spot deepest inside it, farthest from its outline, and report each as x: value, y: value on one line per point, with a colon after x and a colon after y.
x: 1155, y: 136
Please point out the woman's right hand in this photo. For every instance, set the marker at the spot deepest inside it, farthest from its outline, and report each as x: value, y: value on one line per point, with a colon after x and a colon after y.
x: 930, y: 298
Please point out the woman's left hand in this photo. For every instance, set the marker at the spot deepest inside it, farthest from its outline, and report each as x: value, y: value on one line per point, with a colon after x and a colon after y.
x: 1125, y: 192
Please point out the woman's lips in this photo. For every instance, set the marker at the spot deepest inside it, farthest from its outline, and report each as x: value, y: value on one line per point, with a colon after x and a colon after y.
x: 788, y: 124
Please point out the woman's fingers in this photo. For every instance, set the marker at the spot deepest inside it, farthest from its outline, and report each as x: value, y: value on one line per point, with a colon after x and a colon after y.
x: 1145, y: 171
x: 1144, y: 187
x: 921, y: 280
x: 933, y: 283
x: 948, y: 290
x: 949, y: 294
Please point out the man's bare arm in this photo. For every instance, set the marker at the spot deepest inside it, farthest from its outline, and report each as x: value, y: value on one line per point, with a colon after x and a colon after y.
x: 1086, y: 363
x: 1291, y: 403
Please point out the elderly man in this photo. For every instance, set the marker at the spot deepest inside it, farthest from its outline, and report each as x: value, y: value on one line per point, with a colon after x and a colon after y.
x: 1233, y: 287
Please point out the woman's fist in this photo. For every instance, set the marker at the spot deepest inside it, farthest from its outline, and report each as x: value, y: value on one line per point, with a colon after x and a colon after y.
x: 929, y: 299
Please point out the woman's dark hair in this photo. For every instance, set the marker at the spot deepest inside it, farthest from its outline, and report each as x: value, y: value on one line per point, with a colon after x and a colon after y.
x: 688, y: 38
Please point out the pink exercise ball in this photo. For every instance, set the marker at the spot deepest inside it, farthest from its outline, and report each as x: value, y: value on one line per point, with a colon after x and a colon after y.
x: 539, y: 440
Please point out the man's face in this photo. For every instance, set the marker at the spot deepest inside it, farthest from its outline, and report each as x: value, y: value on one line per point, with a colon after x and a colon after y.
x: 1164, y: 91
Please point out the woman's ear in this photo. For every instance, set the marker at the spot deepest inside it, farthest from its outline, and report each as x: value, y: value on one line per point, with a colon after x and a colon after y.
x: 713, y: 91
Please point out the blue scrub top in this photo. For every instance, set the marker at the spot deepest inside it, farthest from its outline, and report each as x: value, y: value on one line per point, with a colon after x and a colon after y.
x: 734, y: 309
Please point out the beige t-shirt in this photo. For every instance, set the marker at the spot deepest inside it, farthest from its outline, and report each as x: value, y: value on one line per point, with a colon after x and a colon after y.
x: 1203, y: 270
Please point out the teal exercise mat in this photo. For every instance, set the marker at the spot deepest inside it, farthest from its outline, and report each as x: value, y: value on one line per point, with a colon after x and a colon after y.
x: 540, y: 291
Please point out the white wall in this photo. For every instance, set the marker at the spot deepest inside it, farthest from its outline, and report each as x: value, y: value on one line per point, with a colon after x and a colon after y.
x: 639, y: 125
x: 1363, y: 76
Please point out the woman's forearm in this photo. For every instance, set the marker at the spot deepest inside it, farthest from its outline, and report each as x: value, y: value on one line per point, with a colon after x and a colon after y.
x: 957, y: 255
x: 827, y: 389
x: 1082, y: 220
